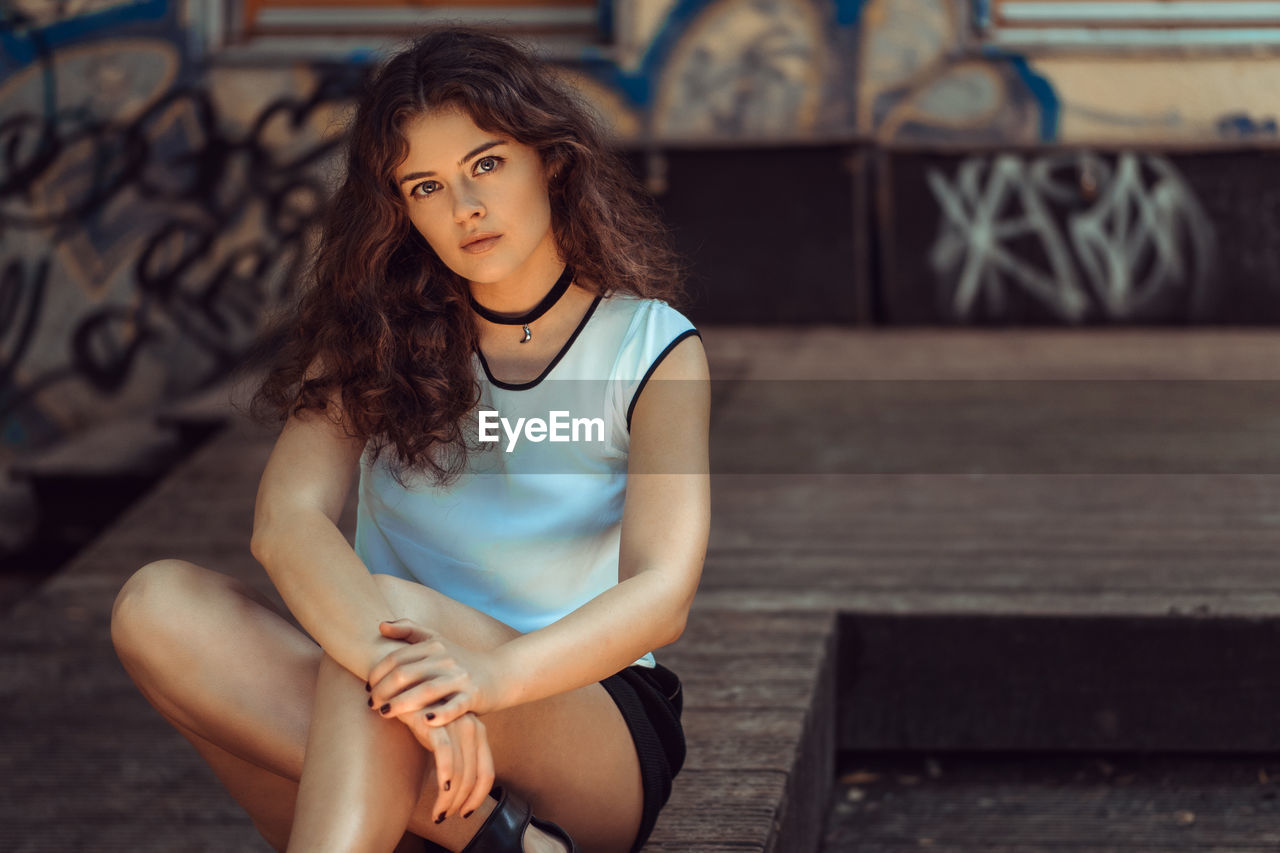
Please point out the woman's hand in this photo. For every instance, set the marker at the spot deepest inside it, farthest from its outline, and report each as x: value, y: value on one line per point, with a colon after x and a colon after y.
x: 432, y: 674
x: 464, y: 762
x: 438, y: 688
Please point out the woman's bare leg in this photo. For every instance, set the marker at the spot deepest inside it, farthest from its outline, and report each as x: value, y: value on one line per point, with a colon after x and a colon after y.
x: 240, y: 682
x: 189, y: 685
x: 268, y: 798
x: 373, y: 767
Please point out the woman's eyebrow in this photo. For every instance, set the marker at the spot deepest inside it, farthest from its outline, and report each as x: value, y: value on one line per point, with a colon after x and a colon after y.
x: 413, y: 176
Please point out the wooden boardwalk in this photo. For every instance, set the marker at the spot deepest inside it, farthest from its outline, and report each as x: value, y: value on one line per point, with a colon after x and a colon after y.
x: 1090, y: 803
x: 795, y: 554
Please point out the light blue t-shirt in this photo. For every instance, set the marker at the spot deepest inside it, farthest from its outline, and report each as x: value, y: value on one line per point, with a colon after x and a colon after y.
x: 531, y: 530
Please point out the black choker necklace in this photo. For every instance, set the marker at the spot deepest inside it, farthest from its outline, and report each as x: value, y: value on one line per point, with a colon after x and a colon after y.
x: 553, y: 296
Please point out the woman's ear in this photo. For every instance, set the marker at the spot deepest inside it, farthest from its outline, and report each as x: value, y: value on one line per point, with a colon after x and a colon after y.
x: 553, y: 171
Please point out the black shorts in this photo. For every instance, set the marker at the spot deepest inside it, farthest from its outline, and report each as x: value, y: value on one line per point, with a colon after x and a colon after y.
x: 651, y: 701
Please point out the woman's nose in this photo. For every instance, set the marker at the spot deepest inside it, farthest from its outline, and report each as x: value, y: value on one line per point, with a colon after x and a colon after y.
x: 467, y: 205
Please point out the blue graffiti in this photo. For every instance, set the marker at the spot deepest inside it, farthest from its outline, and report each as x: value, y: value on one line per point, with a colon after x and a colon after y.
x: 1038, y: 86
x: 1243, y: 126
x: 19, y: 46
x: 982, y: 14
x: 849, y: 12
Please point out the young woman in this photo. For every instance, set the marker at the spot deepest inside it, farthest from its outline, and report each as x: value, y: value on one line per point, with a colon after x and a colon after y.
x: 484, y: 651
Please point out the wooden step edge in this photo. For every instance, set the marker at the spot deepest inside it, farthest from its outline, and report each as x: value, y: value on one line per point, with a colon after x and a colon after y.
x: 801, y: 817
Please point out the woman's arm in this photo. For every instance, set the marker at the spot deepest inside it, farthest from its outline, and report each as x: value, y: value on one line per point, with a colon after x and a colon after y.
x: 304, y: 487
x: 664, y: 541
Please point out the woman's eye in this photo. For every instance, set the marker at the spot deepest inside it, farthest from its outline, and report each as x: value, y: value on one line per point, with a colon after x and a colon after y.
x: 494, y: 163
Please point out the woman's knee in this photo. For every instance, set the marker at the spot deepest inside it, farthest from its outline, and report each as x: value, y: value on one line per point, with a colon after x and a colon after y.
x: 152, y: 603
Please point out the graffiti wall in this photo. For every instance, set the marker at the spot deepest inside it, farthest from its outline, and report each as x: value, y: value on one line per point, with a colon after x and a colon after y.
x: 155, y: 203
x: 922, y: 75
x: 1081, y: 236
x: 1007, y: 71
x: 1048, y: 219
x: 946, y: 71
x: 150, y: 216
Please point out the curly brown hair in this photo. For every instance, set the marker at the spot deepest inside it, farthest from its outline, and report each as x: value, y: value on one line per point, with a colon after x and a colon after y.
x: 382, y: 321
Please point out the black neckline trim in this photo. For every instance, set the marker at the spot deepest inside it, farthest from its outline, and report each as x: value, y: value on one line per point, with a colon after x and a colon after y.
x: 687, y: 333
x: 553, y: 296
x: 523, y: 386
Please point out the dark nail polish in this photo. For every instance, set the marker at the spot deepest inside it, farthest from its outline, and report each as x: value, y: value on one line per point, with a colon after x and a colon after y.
x: 430, y: 716
x: 385, y: 708
x: 446, y: 784
x: 441, y: 818
x: 370, y: 701
x: 469, y: 814
x: 367, y: 688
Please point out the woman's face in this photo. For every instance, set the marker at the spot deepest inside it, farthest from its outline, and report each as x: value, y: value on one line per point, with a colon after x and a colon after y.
x: 458, y: 181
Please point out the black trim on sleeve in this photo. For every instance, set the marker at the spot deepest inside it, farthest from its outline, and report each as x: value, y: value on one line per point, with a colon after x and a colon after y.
x: 636, y: 396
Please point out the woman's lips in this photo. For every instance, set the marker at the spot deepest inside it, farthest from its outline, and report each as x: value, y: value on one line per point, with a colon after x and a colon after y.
x: 481, y: 245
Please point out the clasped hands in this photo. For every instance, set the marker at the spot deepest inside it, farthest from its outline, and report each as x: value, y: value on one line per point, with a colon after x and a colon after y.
x: 439, y: 690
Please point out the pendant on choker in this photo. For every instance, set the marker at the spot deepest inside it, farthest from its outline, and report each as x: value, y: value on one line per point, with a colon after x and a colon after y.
x: 552, y: 297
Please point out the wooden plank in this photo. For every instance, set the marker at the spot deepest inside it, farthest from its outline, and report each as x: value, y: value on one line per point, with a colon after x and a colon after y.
x: 719, y: 807
x: 804, y: 812
x: 1039, y: 802
x: 729, y: 660
x: 1191, y: 541
x: 728, y: 646
x: 121, y: 835
x: 749, y: 739
x: 786, y: 553
x: 110, y: 562
x: 751, y: 687
x: 1011, y: 602
x: 835, y: 352
x: 1061, y: 803
x: 706, y: 627
x: 985, y: 427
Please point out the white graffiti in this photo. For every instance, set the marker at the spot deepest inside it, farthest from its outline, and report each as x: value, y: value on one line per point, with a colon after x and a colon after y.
x: 1116, y: 237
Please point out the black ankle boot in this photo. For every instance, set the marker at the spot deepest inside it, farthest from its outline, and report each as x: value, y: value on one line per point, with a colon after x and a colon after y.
x: 503, y: 830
